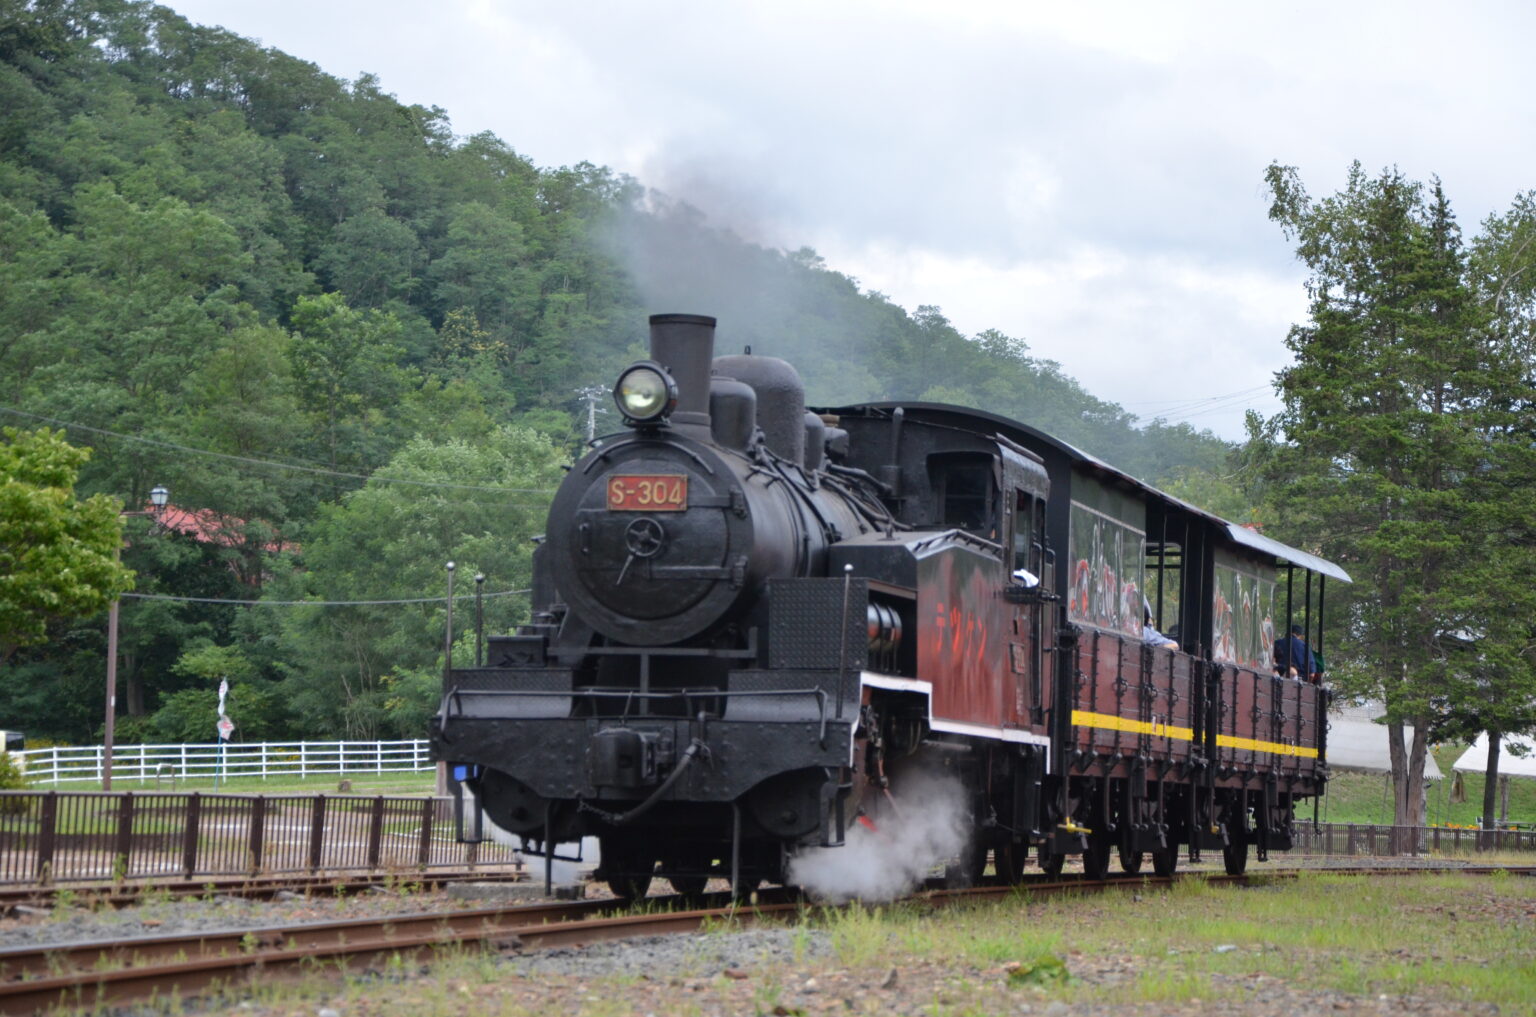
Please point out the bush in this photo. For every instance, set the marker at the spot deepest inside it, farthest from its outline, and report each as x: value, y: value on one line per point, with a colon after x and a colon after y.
x: 12, y: 778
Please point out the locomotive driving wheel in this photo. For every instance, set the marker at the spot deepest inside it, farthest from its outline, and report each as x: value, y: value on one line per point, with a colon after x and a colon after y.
x: 686, y: 872
x: 627, y: 868
x: 1130, y: 861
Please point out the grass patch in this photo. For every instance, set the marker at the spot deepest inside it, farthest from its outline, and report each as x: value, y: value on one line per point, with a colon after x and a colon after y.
x: 1366, y: 798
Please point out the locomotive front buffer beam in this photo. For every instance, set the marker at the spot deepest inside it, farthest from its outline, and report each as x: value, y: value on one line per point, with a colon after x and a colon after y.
x: 780, y: 754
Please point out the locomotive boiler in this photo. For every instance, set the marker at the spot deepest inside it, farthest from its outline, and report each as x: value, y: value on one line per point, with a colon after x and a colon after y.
x: 750, y: 620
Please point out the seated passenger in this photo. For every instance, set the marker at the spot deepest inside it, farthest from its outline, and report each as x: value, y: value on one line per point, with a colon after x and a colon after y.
x: 1152, y: 637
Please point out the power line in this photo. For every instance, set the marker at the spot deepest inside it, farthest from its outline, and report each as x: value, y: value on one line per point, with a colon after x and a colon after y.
x: 1196, y: 399
x: 1201, y: 408
x: 272, y: 463
x: 318, y: 603
x: 1230, y: 404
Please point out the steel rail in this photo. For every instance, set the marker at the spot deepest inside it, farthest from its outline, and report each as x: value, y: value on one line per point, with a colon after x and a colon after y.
x: 254, y: 887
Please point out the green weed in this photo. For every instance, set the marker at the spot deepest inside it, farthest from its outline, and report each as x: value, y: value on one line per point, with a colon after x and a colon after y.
x: 1044, y: 970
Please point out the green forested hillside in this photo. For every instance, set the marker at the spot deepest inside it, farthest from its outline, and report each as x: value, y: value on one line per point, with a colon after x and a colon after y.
x: 354, y: 343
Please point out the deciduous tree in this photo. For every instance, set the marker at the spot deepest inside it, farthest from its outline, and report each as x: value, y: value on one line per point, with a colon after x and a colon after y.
x: 364, y: 668
x: 58, y: 554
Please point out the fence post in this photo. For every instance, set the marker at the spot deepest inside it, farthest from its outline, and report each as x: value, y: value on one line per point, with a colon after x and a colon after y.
x: 303, y: 759
x: 124, y: 849
x: 47, y: 829
x: 376, y: 832
x: 316, y: 832
x: 428, y: 811
x: 189, y: 834
x: 263, y: 760
x: 258, y: 831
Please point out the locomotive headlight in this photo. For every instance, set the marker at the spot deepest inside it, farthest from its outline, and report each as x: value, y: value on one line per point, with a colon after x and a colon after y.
x: 645, y: 393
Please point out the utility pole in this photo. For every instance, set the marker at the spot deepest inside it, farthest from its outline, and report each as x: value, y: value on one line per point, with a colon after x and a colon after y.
x: 591, y: 393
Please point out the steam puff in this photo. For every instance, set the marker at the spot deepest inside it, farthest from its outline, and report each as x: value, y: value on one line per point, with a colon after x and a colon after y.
x: 928, y: 825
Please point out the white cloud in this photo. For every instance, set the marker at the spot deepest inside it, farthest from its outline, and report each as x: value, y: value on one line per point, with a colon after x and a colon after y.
x: 1160, y: 335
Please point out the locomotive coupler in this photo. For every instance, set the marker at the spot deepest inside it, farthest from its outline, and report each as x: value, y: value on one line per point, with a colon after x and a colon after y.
x: 624, y: 758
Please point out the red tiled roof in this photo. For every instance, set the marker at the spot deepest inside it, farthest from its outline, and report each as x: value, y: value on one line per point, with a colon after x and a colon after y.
x: 209, y: 527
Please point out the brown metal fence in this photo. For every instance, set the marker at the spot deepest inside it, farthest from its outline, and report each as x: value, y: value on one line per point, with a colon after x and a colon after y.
x: 1366, y: 840
x: 64, y: 836
x: 69, y: 836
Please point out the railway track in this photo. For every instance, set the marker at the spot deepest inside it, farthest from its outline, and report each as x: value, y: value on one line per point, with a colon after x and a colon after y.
x: 100, y: 972
x: 14, y: 899
x: 89, y: 974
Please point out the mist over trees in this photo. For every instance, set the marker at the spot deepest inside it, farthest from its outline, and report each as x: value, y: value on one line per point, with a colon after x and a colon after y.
x: 310, y: 310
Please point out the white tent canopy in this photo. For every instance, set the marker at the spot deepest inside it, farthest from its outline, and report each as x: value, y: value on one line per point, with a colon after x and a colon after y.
x: 1475, y: 759
x: 1357, y: 742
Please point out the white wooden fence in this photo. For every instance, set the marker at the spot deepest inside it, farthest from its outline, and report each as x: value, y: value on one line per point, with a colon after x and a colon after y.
x: 83, y: 764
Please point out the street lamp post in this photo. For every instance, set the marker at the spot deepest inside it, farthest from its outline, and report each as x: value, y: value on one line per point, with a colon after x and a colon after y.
x: 158, y: 497
x: 479, y: 616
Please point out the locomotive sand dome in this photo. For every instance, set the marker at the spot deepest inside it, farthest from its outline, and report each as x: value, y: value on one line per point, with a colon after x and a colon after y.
x: 753, y: 626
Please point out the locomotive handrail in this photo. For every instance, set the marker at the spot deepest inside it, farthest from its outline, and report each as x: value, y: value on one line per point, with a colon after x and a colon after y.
x: 745, y: 653
x: 606, y: 449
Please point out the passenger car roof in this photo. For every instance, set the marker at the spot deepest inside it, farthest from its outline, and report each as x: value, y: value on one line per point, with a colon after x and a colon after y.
x: 1015, y: 430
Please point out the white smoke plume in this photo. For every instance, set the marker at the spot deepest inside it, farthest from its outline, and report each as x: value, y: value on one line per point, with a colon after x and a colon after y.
x: 927, y: 826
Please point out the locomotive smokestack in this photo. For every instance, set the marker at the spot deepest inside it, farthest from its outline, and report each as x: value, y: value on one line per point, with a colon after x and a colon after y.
x: 685, y: 345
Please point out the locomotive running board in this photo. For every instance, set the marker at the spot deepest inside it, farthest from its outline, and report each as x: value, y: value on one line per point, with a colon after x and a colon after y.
x: 896, y: 683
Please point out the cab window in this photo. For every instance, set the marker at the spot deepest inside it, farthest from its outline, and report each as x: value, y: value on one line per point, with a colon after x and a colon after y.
x: 965, y: 494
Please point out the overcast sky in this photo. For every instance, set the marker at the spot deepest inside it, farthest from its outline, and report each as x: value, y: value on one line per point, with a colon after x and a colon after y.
x: 1087, y: 177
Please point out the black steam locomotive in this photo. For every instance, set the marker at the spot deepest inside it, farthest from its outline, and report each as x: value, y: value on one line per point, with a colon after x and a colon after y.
x: 751, y: 620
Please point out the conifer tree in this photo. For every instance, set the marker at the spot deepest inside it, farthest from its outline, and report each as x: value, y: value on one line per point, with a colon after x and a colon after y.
x: 1400, y: 449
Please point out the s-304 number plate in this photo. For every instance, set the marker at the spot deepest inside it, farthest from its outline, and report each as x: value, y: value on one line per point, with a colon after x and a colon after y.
x: 648, y: 493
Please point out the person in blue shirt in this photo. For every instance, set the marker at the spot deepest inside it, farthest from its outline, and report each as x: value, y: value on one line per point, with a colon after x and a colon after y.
x: 1293, y: 657
x: 1152, y: 637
